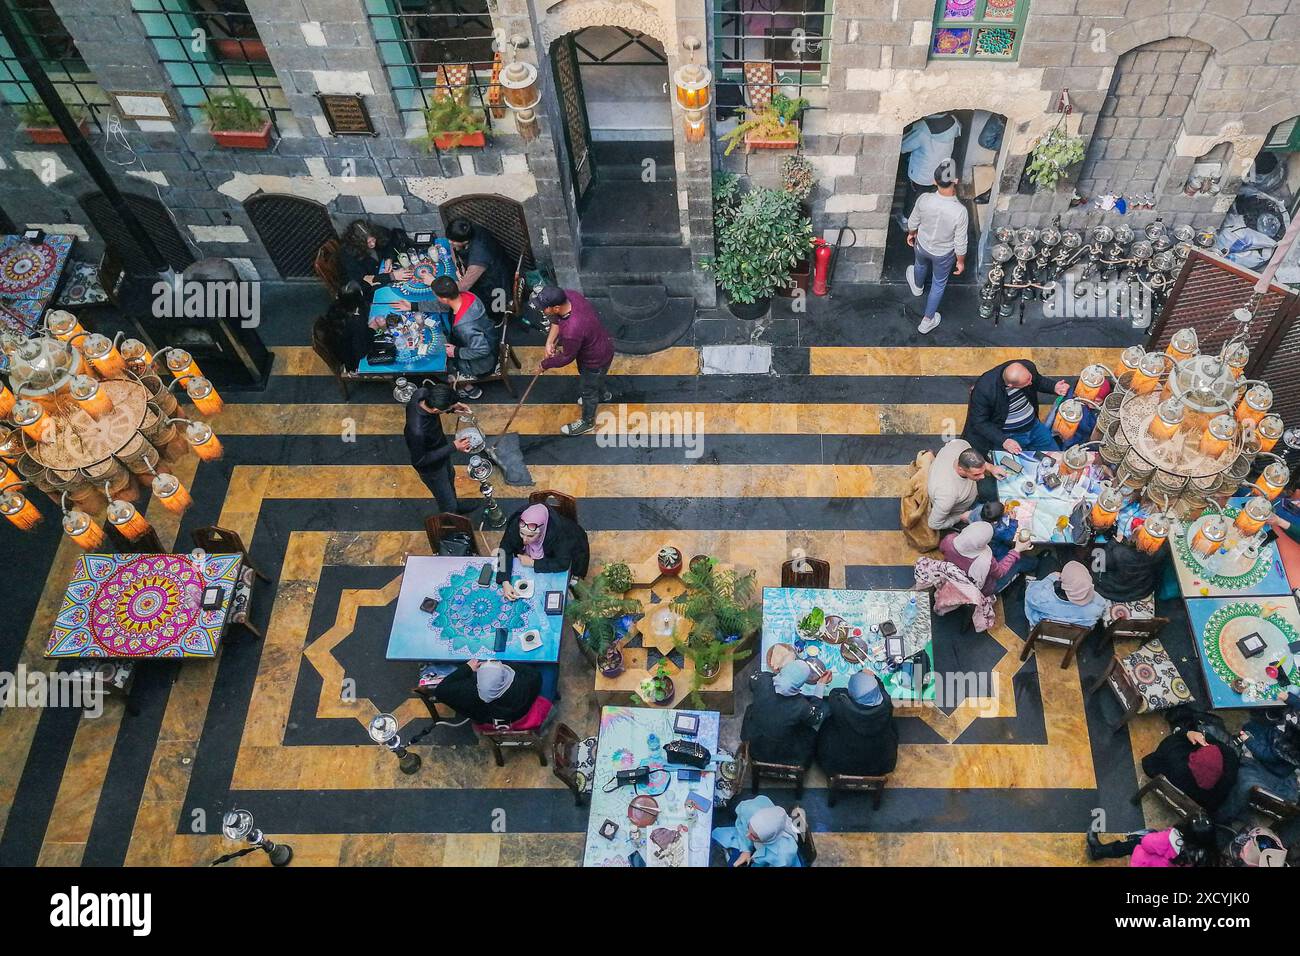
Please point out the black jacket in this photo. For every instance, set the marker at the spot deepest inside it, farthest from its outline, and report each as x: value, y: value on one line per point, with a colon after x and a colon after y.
x: 425, y: 440
x: 1170, y: 759
x: 476, y: 341
x: 780, y: 729
x: 459, y: 691
x: 565, y: 547
x: 485, y: 251
x: 989, y: 402
x: 857, y: 740
x: 356, y: 266
x: 1127, y: 574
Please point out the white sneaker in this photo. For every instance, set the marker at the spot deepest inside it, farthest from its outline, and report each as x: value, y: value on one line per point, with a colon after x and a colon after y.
x: 929, y: 325
x: 911, y: 281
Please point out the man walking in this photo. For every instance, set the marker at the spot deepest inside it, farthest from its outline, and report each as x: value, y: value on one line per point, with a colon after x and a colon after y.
x: 428, y: 445
x: 1003, y: 410
x: 578, y: 335
x: 936, y: 230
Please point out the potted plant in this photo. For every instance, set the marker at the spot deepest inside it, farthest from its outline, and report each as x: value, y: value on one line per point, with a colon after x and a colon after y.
x: 594, y: 611
x: 235, y: 122
x: 798, y: 177
x: 670, y: 561
x: 38, y: 123
x: 451, y: 123
x: 658, y: 687
x: 759, y: 236
x: 250, y: 50
x: 618, y: 577
x: 1054, y: 152
x: 775, y: 126
x: 719, y: 602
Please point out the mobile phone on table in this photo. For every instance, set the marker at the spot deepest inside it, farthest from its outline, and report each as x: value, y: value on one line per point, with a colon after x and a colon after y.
x: 485, y: 575
x: 499, y: 644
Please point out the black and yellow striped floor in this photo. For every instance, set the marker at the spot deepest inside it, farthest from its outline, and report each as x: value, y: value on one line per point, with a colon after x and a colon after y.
x: 812, y: 455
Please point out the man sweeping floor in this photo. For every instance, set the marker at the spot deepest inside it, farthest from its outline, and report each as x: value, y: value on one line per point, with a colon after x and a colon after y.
x: 578, y: 335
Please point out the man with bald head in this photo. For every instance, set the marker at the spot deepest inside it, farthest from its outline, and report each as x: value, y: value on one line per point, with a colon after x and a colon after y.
x: 1003, y: 410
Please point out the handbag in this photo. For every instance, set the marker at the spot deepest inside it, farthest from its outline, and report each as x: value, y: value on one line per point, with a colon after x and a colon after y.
x: 382, y: 352
x: 454, y: 544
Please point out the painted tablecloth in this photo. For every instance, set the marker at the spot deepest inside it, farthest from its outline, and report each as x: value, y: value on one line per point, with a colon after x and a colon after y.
x: 143, y: 605
x: 465, y: 622
x: 29, y: 277
x: 838, y: 631
x: 674, y: 825
x: 1045, y: 511
x: 1233, y: 679
x: 440, y: 261
x: 1238, y: 568
x: 421, y: 345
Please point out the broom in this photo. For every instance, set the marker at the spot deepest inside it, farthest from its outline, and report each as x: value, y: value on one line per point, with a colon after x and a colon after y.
x: 505, y: 451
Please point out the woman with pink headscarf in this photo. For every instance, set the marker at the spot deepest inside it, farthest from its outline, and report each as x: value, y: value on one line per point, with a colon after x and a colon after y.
x: 541, y: 538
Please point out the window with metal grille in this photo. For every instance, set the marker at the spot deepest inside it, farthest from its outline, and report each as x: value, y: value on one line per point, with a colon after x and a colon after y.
x: 765, y: 45
x: 209, y: 48
x: 433, y: 49
x: 57, y: 54
x: 978, y: 29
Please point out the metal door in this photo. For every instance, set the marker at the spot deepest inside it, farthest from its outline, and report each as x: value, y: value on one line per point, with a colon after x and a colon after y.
x: 573, y: 112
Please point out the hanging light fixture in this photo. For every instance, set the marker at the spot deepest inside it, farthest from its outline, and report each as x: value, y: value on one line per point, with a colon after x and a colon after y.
x: 691, y: 84
x: 15, y: 506
x: 128, y: 520
x: 94, y: 401
x: 81, y: 528
x: 206, y: 445
x: 171, y: 494
x: 181, y: 364
x: 103, y: 356
x: 204, y: 396
x: 520, y: 90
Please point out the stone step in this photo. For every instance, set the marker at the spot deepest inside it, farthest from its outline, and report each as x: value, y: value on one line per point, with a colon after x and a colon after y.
x: 645, y: 337
x: 625, y: 160
x: 638, y: 303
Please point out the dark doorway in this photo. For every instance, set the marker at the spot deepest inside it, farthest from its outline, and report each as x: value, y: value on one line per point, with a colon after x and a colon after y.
x: 157, y: 222
x: 292, y: 230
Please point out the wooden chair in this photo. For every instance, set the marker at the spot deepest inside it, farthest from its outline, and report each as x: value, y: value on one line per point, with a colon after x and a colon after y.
x: 1069, y: 636
x: 435, y: 526
x: 818, y: 577
x: 501, y: 738
x: 328, y: 268
x: 1129, y: 699
x: 843, y: 781
x: 1181, y: 803
x: 1142, y: 629
x: 215, y: 540
x: 807, y: 849
x: 574, y: 761
x: 320, y: 344
x: 1166, y: 687
x: 566, y: 505
x: 505, y: 358
x: 773, y: 771
x: 1271, y: 805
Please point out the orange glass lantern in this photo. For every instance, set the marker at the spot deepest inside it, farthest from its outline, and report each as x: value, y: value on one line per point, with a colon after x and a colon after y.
x: 63, y: 325
x: 171, y: 494
x: 1105, y: 510
x: 92, y: 399
x: 8, y: 476
x: 136, y: 354
x: 1237, y: 358
x: 1147, y: 376
x: 1167, y: 420
x: 127, y: 519
x: 1152, y: 534
x: 1183, y: 345
x: 7, y: 401
x: 1130, y: 360
x: 31, y: 418
x: 87, y: 535
x: 204, y: 396
x: 1219, y: 436
x: 103, y: 356
x: 1268, y: 432
x: 1068, y: 417
x: 1253, y: 515
x: 1273, y: 479
x: 1210, y: 535
x: 11, y: 444
x: 1075, y: 461
x: 1255, y: 405
x: 21, y: 512
x: 1091, y: 381
x: 204, y: 441
x: 181, y: 364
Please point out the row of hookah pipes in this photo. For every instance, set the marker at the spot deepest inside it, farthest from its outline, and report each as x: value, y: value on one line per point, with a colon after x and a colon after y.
x: 1107, y: 254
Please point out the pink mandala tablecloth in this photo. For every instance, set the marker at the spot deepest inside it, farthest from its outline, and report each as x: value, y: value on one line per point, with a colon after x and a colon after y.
x: 143, y: 605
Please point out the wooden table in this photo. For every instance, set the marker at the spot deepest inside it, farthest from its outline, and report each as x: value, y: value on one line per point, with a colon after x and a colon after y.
x: 1046, y: 511
x: 633, y: 737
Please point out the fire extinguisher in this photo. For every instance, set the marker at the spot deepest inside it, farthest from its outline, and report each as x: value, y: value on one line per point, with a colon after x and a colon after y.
x: 822, y: 256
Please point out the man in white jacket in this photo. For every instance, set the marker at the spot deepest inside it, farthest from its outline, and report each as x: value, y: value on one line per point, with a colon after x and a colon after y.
x: 952, y: 487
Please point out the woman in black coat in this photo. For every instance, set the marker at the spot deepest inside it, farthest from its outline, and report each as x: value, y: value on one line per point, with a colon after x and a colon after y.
x: 363, y: 250
x: 487, y: 691
x: 858, y: 736
x: 781, y: 723
x: 1203, y: 769
x: 541, y: 538
x: 1127, y: 574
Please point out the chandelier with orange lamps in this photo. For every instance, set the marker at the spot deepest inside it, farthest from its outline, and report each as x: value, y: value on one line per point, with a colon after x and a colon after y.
x: 88, y: 421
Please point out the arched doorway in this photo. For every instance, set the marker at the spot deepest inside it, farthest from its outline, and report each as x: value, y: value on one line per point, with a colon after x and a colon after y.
x: 292, y: 230
x: 975, y: 138
x: 157, y: 222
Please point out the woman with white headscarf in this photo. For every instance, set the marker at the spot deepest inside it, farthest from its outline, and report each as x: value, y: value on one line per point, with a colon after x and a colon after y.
x: 763, y: 835
x: 487, y: 691
x: 781, y: 722
x: 969, y: 550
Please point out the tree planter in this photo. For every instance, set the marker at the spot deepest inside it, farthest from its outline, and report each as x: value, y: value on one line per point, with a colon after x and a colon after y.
x: 51, y: 135
x: 755, y: 141
x: 243, y: 139
x: 749, y: 311
x: 458, y: 140
x: 708, y: 675
x: 664, y: 693
x: 799, y: 276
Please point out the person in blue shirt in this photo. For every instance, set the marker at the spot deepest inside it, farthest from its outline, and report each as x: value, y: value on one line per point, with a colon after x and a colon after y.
x: 1067, y: 597
x: 1004, y: 539
x: 926, y: 143
x: 763, y: 835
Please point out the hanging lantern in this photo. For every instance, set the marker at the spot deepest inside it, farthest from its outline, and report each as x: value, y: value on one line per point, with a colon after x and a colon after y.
x: 1219, y: 435
x: 1075, y: 460
x: 691, y: 88
x: 78, y: 526
x: 1068, y: 417
x: 1130, y: 360
x: 204, y: 441
x: 1255, y: 405
x: 136, y: 354
x: 7, y: 475
x: 1147, y: 376
x: 1237, y: 358
x: 171, y: 493
x: 1252, y: 517
x: 63, y: 325
x: 103, y: 356
x: 181, y: 364
x: 204, y: 396
x: 1210, y: 535
x: 31, y: 418
x: 1268, y: 432
x: 93, y: 400
x: 1273, y: 479
x: 1091, y: 381
x: 11, y: 444
x: 1153, y: 533
x: 127, y: 519
x: 15, y: 506
x: 1183, y: 345
x: 1105, y: 510
x: 521, y: 93
x: 1167, y: 420
x: 7, y: 400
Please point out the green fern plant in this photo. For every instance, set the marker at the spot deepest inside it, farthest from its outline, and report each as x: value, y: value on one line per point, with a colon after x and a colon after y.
x: 38, y: 114
x: 719, y: 602
x: 594, y: 607
x: 233, y: 112
x: 774, y: 121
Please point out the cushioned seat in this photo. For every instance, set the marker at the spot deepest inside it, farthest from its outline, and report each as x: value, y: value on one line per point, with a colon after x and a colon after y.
x: 1155, y: 677
x: 726, y: 781
x: 242, y: 600
x: 83, y: 286
x: 585, y: 765
x: 1143, y: 610
x: 532, y: 720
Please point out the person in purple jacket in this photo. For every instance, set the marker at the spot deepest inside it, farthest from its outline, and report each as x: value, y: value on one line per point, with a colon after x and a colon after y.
x: 578, y: 335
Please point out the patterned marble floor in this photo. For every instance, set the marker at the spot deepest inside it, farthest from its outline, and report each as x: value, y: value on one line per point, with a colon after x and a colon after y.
x: 813, y: 455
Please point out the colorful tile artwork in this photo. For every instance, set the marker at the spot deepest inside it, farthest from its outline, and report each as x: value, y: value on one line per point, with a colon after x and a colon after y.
x: 959, y: 9
x: 951, y: 41
x: 1000, y: 9
x: 995, y: 41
